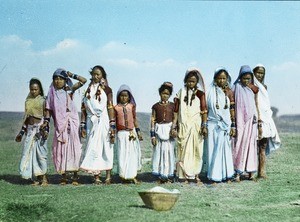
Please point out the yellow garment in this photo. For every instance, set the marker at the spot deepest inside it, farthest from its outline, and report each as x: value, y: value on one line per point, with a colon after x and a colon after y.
x: 34, y: 106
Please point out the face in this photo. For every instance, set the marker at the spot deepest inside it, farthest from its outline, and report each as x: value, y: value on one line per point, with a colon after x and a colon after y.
x: 221, y: 79
x: 260, y: 74
x: 246, y: 79
x: 191, y: 82
x: 165, y: 95
x: 59, y: 82
x: 96, y: 75
x: 124, y: 97
x: 35, y: 90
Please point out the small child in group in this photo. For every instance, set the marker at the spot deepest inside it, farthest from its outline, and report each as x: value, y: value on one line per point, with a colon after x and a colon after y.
x: 245, y: 148
x: 128, y: 136
x: 34, y: 155
x: 163, y: 158
x: 97, y: 115
x: 191, y: 117
x: 221, y: 127
x: 268, y: 139
x: 60, y: 105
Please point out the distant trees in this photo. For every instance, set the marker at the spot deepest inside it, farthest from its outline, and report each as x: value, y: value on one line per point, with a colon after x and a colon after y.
x: 275, y: 111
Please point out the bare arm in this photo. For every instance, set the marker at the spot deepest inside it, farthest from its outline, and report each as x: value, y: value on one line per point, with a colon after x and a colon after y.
x: 80, y: 83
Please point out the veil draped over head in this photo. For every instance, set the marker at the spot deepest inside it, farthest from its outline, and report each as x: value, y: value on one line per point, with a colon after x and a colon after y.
x: 260, y: 66
x: 218, y: 70
x: 245, y: 69
x: 63, y: 74
x: 126, y: 88
x: 201, y: 85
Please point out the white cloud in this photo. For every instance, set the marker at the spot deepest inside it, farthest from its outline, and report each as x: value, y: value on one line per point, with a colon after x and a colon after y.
x: 15, y: 41
x: 62, y: 46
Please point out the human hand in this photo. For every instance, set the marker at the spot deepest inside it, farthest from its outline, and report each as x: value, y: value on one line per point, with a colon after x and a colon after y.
x: 174, y: 133
x: 19, y: 138
x: 153, y: 141
x: 232, y: 132
x: 140, y: 137
x: 83, y: 133
x: 204, y: 132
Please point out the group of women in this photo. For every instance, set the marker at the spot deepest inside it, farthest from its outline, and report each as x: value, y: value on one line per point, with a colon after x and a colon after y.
x: 227, y: 129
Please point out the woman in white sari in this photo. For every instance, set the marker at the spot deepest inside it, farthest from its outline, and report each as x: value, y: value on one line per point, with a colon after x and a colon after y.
x: 268, y: 137
x: 221, y: 126
x: 98, y: 115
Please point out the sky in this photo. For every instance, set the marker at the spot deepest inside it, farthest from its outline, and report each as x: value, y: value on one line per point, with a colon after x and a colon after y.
x: 144, y: 43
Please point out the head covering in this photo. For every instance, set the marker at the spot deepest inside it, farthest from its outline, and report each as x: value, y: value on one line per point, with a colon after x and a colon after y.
x: 62, y: 73
x: 200, y: 84
x: 259, y: 65
x: 218, y: 70
x: 245, y: 69
x: 125, y: 88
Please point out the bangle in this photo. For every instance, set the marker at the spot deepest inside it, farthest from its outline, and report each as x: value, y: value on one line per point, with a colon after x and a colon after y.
x: 137, y: 130
x: 152, y: 133
x: 204, y: 124
x: 46, y: 120
x: 74, y: 76
x: 82, y: 124
x: 232, y: 124
x: 22, y: 132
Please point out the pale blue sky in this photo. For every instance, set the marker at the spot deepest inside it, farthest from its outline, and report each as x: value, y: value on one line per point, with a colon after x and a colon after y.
x: 144, y: 43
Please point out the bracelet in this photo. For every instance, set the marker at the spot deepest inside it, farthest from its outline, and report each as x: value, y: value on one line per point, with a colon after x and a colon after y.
x: 47, y: 120
x: 152, y: 133
x: 82, y: 124
x: 137, y: 130
x: 204, y: 124
x: 74, y: 76
x: 22, y: 132
x: 232, y: 124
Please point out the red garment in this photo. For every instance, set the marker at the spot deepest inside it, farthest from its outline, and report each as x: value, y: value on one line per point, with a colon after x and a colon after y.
x: 125, y: 116
x: 164, y: 112
x: 201, y: 96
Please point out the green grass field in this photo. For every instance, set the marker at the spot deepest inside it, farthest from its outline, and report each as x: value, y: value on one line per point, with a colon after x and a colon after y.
x: 274, y: 199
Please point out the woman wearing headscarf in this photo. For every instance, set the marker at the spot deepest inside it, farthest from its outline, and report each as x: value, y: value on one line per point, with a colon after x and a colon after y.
x: 128, y: 135
x: 97, y: 115
x: 245, y: 148
x: 66, y: 146
x: 190, y: 119
x: 221, y: 126
x: 268, y: 136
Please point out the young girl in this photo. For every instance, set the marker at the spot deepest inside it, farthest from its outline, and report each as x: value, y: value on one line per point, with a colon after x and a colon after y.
x: 191, y: 117
x: 34, y: 155
x: 221, y: 126
x: 60, y: 105
x: 98, y: 115
x: 163, y: 159
x: 128, y: 135
x: 245, y: 149
x: 268, y: 139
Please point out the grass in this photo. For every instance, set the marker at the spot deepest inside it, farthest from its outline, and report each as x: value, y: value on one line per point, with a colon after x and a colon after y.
x: 274, y: 199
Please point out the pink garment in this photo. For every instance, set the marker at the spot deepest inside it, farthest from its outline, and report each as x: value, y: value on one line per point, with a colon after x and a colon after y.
x: 66, y: 142
x: 245, y: 149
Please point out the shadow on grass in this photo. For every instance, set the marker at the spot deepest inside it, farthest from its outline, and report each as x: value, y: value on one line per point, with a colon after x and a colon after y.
x: 146, y: 177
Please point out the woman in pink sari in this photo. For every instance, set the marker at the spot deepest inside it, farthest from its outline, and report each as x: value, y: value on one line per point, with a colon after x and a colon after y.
x: 245, y: 148
x: 60, y: 105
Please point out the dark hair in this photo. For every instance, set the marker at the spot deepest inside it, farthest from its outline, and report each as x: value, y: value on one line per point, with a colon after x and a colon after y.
x: 101, y: 69
x: 38, y: 82
x: 163, y: 87
x: 254, y: 70
x: 190, y: 74
x: 219, y: 72
x: 129, y: 96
